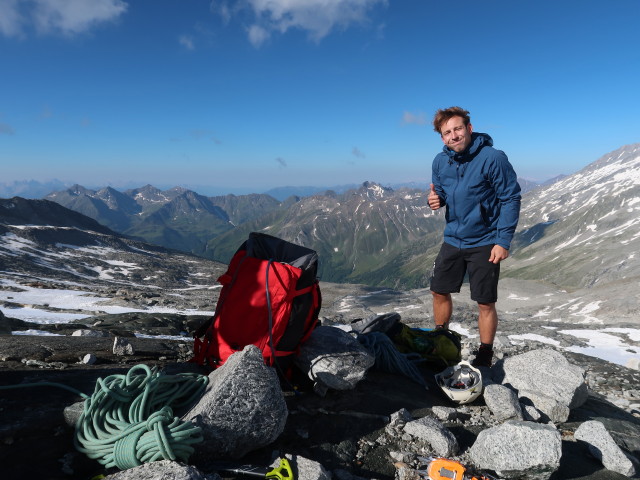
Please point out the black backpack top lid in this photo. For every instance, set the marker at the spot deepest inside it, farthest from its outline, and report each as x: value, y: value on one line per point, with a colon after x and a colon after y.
x: 267, y: 247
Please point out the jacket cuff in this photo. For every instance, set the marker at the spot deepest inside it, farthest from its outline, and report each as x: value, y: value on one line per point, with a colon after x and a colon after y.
x: 503, y: 244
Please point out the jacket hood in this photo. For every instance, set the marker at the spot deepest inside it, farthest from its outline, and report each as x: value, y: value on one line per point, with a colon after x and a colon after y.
x: 478, y: 140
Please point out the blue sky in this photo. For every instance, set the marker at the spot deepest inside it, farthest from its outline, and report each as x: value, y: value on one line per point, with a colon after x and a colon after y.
x: 253, y: 94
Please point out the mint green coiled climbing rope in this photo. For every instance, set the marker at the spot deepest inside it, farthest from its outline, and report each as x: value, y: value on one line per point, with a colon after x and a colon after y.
x: 129, y: 418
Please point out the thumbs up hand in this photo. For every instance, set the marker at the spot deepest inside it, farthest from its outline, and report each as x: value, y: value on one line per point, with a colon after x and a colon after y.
x: 433, y: 198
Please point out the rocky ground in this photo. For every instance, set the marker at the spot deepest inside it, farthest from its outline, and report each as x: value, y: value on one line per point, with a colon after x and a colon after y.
x: 53, y: 274
x: 344, y: 431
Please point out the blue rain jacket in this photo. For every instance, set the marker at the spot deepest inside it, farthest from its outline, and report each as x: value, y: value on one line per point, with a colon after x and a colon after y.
x: 481, y: 193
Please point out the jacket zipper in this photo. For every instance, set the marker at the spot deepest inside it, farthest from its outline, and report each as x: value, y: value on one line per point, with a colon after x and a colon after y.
x: 454, y: 196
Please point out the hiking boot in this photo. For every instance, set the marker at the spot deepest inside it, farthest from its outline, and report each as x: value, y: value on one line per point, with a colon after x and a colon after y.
x: 483, y: 357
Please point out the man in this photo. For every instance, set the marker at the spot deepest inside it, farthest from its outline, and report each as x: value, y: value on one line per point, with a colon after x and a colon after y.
x: 479, y: 188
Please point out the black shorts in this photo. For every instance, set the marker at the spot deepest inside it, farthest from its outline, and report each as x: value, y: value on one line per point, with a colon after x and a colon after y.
x: 451, y: 265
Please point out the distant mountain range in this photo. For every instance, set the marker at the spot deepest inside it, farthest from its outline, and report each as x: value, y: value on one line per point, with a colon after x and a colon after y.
x: 35, y: 189
x: 356, y: 233
x: 579, y: 231
x: 175, y: 218
x: 366, y: 234
x: 43, y: 243
x: 282, y: 193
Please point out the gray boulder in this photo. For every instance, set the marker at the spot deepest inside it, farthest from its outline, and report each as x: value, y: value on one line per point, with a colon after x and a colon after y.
x: 397, y: 421
x: 503, y: 402
x: 333, y: 359
x: 162, y: 470
x: 122, y: 346
x: 604, y: 448
x: 89, y: 359
x: 436, y: 437
x: 445, y: 414
x: 516, y: 449
x: 530, y: 413
x: 242, y: 409
x: 551, y: 408
x: 550, y: 382
x: 73, y: 412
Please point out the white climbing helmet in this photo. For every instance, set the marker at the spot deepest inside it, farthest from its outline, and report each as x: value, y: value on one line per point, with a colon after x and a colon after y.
x: 462, y: 383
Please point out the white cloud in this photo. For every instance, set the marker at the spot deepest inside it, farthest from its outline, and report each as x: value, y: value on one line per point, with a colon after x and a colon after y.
x: 187, y: 42
x: 317, y: 17
x: 414, y: 118
x: 52, y: 16
x: 257, y: 35
x: 10, y: 19
x: 222, y: 8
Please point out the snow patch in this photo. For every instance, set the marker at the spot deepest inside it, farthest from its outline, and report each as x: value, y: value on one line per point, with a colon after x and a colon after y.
x: 534, y: 337
x: 604, y: 345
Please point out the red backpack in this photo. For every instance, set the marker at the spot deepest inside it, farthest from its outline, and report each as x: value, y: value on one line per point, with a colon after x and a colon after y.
x: 270, y: 298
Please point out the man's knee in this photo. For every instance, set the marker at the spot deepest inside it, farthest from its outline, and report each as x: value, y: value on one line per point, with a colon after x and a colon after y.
x: 487, y: 307
x: 440, y: 296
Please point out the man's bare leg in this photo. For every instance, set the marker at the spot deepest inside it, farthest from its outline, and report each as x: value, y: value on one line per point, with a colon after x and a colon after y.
x: 487, y: 326
x: 487, y: 322
x: 442, y: 309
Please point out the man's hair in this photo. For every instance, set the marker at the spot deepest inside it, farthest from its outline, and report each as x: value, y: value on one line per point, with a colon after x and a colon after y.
x: 442, y: 116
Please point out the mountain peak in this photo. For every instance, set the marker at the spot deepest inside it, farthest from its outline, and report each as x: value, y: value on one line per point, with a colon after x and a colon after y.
x: 624, y: 154
x: 80, y: 190
x: 374, y: 190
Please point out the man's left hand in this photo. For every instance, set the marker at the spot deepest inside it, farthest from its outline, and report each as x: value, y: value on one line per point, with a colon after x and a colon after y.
x: 498, y: 254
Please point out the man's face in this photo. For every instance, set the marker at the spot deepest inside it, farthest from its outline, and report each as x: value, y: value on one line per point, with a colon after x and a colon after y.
x: 456, y: 135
